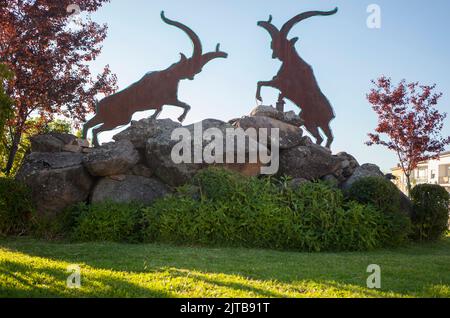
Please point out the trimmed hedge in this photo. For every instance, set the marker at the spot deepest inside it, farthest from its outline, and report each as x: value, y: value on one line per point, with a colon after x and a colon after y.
x: 431, y: 212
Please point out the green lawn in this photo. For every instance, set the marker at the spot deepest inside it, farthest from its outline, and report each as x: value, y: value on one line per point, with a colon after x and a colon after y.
x: 30, y: 268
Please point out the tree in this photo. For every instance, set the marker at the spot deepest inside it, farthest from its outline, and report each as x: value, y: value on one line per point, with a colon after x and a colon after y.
x: 49, y: 58
x: 6, y: 102
x: 408, y: 117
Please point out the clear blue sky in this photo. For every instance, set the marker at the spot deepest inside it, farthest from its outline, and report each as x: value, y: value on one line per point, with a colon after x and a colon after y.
x: 413, y: 43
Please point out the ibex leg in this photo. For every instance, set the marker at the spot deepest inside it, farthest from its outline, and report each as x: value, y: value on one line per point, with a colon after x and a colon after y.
x: 314, y: 130
x: 156, y: 114
x: 92, y: 123
x: 260, y: 85
x: 110, y: 126
x: 329, y: 133
x: 186, y: 108
x: 95, y: 133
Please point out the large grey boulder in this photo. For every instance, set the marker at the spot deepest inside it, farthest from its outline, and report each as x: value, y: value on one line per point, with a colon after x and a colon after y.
x: 140, y: 131
x: 129, y: 189
x: 57, y: 142
x: 141, y: 170
x: 159, y: 157
x: 310, y: 162
x: 290, y: 136
x: 160, y: 146
x: 347, y: 168
x: 111, y: 159
x: 57, y: 180
x: 267, y: 111
x: 290, y: 117
x: 364, y: 171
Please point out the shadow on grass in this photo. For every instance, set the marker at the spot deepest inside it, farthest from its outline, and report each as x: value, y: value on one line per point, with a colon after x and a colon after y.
x: 47, y: 281
x: 344, y: 274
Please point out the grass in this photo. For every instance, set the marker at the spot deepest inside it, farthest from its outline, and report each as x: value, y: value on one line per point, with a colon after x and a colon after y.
x: 30, y: 268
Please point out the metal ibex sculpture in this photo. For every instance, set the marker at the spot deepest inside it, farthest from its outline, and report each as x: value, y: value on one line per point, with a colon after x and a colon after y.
x: 153, y: 91
x: 296, y: 80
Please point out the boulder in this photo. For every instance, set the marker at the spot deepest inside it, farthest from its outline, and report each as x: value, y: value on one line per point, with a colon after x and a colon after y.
x: 297, y: 182
x: 290, y: 117
x: 267, y: 111
x: 111, y: 159
x: 57, y: 180
x: 248, y: 168
x: 331, y: 180
x: 293, y: 119
x: 142, y: 170
x: 159, y: 158
x: 140, y: 131
x: 159, y: 155
x: 129, y: 189
x: 366, y: 170
x: 290, y: 136
x: 347, y: 168
x: 57, y: 142
x: 310, y: 162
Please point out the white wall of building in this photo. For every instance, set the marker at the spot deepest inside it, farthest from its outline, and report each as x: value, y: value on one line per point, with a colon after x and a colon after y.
x: 431, y: 172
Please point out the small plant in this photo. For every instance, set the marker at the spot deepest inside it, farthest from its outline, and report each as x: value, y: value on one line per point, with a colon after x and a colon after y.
x: 385, y: 197
x: 431, y: 212
x: 113, y: 222
x: 16, y: 207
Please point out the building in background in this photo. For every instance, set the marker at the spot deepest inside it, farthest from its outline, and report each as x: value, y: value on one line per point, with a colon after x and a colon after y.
x: 431, y: 172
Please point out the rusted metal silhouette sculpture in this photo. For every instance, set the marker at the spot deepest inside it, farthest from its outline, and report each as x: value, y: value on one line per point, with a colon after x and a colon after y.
x: 154, y: 90
x: 296, y: 80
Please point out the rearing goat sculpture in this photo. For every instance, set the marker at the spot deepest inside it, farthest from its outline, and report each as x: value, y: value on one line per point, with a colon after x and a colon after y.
x: 153, y: 91
x: 296, y: 80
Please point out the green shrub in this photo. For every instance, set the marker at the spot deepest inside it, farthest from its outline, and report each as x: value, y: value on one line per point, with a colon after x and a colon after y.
x: 220, y: 184
x: 377, y: 191
x: 431, y: 212
x: 251, y: 212
x: 113, y: 222
x: 60, y: 226
x: 16, y: 207
x: 385, y: 197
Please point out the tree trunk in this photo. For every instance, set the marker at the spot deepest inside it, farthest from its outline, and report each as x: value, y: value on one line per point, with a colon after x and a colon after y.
x: 13, y: 151
x: 408, y: 185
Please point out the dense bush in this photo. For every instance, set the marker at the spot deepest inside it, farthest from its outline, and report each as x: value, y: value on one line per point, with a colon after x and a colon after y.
x: 107, y: 221
x: 237, y: 211
x: 431, y: 212
x: 60, y: 226
x: 16, y: 207
x: 385, y: 197
x: 220, y: 184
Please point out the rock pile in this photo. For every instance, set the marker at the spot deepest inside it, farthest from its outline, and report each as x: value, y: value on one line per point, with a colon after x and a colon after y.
x: 62, y: 170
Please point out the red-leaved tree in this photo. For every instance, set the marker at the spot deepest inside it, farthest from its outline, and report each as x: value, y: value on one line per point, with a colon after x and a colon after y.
x: 49, y: 57
x: 410, y: 122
